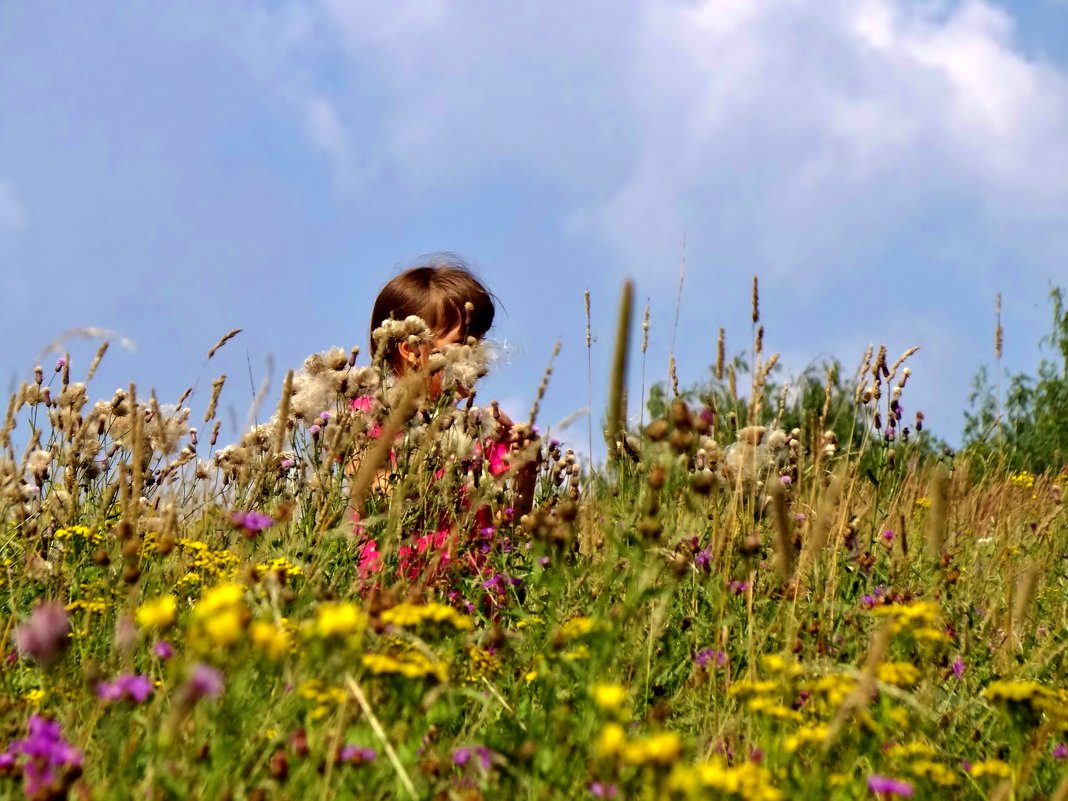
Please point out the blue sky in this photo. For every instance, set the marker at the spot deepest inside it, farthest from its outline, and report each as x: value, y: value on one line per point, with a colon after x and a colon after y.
x: 886, y: 166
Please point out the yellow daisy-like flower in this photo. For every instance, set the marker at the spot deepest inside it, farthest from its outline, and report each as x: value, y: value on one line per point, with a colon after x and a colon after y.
x: 610, y: 741
x: 934, y: 772
x: 579, y: 627
x: 1014, y: 691
x: 804, y: 736
x: 991, y: 767
x: 609, y: 697
x: 662, y: 748
x: 158, y: 613
x: 899, y: 674
x: 272, y: 638
x: 413, y: 665
x: 407, y: 615
x: 339, y: 619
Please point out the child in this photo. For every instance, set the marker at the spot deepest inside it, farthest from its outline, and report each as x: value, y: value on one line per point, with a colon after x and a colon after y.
x: 456, y: 307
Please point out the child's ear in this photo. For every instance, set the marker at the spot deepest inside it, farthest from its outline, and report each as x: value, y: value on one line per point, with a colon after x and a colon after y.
x: 407, y: 353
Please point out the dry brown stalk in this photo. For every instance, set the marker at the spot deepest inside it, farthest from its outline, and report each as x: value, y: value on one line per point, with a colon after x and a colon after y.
x: 721, y: 353
x: 617, y: 411
x: 96, y: 360
x: 225, y: 338
x: 216, y: 388
x: 544, y: 385
x: 784, y: 544
x: 938, y: 517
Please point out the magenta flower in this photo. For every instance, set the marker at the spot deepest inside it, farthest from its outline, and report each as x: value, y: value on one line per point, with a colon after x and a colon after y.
x: 706, y: 656
x: 357, y: 755
x: 45, y: 635
x: 163, y: 650
x: 47, y: 756
x: 888, y: 535
x: 601, y: 790
x: 128, y: 687
x: 738, y: 587
x: 252, y: 522
x: 204, y: 682
x: 958, y: 667
x: 886, y: 786
x: 461, y: 756
x: 1060, y: 751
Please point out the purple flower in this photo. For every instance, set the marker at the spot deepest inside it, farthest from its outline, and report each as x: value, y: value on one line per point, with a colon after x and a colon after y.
x: 543, y: 561
x: 786, y: 480
x: 358, y: 755
x: 163, y: 650
x: 61, y: 362
x: 707, y: 655
x: 888, y: 535
x: 1060, y: 751
x: 44, y: 636
x: 884, y: 785
x: 599, y: 790
x: 324, y: 416
x: 130, y: 687
x: 867, y: 601
x: 204, y: 682
x: 46, y: 752
x: 252, y: 522
x: 314, y: 430
x: 703, y: 558
x: 738, y: 587
x: 461, y: 756
x: 958, y: 667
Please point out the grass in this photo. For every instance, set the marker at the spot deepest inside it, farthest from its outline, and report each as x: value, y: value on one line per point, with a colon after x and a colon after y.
x: 720, y: 612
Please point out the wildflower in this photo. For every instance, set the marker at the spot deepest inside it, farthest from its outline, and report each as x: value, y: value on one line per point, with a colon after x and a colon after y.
x: 805, y: 735
x: 252, y: 522
x: 281, y: 567
x: 958, y: 667
x: 48, y: 757
x: 656, y: 749
x: 601, y: 790
x: 271, y: 637
x: 157, y: 614
x: 45, y: 635
x: 578, y: 627
x: 923, y: 503
x: 1060, y: 751
x: 609, y: 697
x: 991, y: 767
x: 204, y: 682
x: 339, y: 619
x: 738, y: 587
x: 1014, y: 691
x: 461, y: 756
x: 412, y: 665
x: 888, y: 535
x: 405, y: 615
x: 886, y: 786
x: 708, y: 655
x: 221, y: 614
x: 163, y: 650
x: 610, y: 741
x: 934, y: 772
x: 899, y: 674
x: 357, y: 755
x: 130, y: 687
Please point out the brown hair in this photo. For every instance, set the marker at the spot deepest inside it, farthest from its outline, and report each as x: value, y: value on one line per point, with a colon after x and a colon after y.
x: 437, y: 290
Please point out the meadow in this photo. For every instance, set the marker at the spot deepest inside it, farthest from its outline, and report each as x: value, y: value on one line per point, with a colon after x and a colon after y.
x: 759, y: 595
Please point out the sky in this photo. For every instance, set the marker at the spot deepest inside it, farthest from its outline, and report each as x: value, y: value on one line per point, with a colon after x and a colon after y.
x: 886, y: 167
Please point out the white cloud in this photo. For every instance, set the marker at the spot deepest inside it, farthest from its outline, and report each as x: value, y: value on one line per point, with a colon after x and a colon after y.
x: 783, y: 135
x: 12, y: 214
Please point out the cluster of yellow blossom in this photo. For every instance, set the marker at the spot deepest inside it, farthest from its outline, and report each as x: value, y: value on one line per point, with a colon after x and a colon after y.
x: 407, y: 615
x: 89, y: 605
x: 411, y: 665
x: 216, y: 563
x: 609, y: 697
x: 747, y: 780
x: 578, y: 627
x: 83, y: 533
x: 1023, y: 479
x: 280, y: 566
x: 991, y: 767
x: 157, y: 614
x: 483, y: 663
x: 274, y: 639
x: 341, y: 619
x: 221, y: 614
x: 899, y: 674
x: 326, y: 698
x: 920, y: 618
x: 804, y: 736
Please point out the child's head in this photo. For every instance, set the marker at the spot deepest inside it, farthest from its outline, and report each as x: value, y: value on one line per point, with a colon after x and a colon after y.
x: 438, y: 290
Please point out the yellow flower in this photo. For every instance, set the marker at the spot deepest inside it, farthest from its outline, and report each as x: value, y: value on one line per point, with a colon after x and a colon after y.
x: 656, y: 749
x: 747, y: 687
x: 483, y: 663
x: 34, y: 697
x: 272, y: 638
x: 280, y: 566
x: 579, y: 627
x: 219, y: 597
x: 412, y: 665
x: 1022, y: 479
x: 991, y: 767
x: 157, y: 614
x: 609, y: 741
x: 225, y: 627
x: 1014, y: 691
x: 899, y: 674
x: 805, y: 735
x: 933, y: 771
x: 339, y: 619
x: 917, y: 748
x: 923, y: 503
x: 407, y: 615
x: 609, y: 697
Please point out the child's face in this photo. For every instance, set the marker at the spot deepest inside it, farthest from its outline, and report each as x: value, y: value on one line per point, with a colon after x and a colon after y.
x: 417, y: 359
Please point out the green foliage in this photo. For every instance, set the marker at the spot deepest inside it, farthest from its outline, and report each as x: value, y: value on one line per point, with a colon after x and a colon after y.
x: 1031, y: 431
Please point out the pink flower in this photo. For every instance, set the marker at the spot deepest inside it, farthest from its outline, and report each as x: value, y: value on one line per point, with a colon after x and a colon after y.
x: 44, y: 636
x: 886, y: 786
